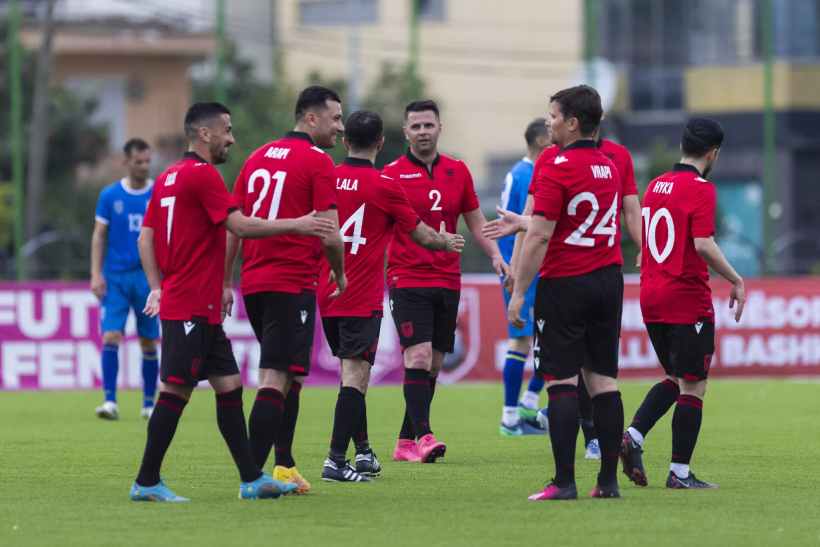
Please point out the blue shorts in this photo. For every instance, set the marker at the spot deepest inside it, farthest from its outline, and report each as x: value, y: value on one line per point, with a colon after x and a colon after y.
x: 126, y: 290
x: 526, y: 312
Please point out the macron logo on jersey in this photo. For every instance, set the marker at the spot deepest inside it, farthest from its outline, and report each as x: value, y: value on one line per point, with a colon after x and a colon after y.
x: 276, y: 153
x: 410, y: 176
x: 601, y: 171
x: 560, y: 159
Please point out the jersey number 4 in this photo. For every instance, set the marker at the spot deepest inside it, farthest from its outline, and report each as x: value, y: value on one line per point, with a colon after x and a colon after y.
x: 607, y: 226
x: 355, y: 221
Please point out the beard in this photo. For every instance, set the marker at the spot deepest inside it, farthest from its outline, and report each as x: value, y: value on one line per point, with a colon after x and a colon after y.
x: 220, y: 155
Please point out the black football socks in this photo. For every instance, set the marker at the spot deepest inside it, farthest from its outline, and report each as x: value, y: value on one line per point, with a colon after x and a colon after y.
x: 417, y: 398
x: 563, y: 420
x: 608, y: 415
x: 657, y: 402
x: 287, y: 430
x: 265, y: 421
x: 231, y: 419
x: 685, y: 428
x: 161, y: 428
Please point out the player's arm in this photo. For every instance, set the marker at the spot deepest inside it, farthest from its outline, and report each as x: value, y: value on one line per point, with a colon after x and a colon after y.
x: 334, y: 249
x: 709, y: 251
x: 475, y: 222
x: 98, y: 240
x: 442, y: 240
x: 518, y: 245
x: 632, y: 217
x: 311, y: 224
x: 148, y: 257
x: 232, y: 247
x: 533, y: 250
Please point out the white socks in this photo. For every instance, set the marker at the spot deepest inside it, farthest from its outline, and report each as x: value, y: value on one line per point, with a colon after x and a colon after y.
x: 636, y: 435
x: 681, y: 470
x: 529, y: 399
x: 509, y: 417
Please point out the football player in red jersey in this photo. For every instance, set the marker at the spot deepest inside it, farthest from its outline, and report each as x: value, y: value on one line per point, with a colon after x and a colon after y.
x: 182, y: 250
x: 287, y: 178
x: 425, y: 285
x: 371, y: 205
x: 676, y: 300
x: 574, y: 238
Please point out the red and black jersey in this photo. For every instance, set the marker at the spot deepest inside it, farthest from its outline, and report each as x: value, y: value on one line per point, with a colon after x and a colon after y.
x: 371, y: 205
x: 187, y: 212
x: 580, y: 189
x: 286, y: 178
x: 678, y: 207
x: 442, y: 193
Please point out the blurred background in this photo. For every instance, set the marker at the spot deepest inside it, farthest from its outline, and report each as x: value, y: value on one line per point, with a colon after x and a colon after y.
x: 79, y: 77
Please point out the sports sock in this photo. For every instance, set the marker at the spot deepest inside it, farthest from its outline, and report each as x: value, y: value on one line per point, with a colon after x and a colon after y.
x: 608, y: 415
x: 407, y: 431
x: 535, y: 386
x: 685, y: 428
x: 150, y: 366
x: 512, y: 375
x: 563, y: 420
x: 264, y: 422
x: 585, y: 411
x: 231, y: 420
x: 417, y: 397
x: 360, y: 437
x: 110, y: 369
x: 530, y: 399
x: 509, y: 416
x: 287, y: 429
x: 161, y: 428
x: 657, y: 402
x: 349, y: 406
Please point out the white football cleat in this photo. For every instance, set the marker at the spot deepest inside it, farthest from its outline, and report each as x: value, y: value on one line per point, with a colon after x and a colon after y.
x: 108, y: 411
x: 146, y: 412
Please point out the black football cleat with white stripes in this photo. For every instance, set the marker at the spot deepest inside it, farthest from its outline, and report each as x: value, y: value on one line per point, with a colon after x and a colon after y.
x: 367, y: 464
x: 334, y: 472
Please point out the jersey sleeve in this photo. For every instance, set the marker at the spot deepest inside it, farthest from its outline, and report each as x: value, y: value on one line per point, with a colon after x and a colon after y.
x: 703, y: 215
x: 549, y: 193
x: 240, y: 187
x: 394, y: 202
x: 103, y: 212
x: 324, y: 187
x: 628, y: 186
x: 214, y: 197
x: 469, y: 199
x: 150, y: 218
x: 518, y: 191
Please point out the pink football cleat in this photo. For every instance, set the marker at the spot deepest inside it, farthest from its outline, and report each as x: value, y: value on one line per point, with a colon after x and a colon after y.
x: 554, y: 492
x: 430, y: 449
x: 406, y: 451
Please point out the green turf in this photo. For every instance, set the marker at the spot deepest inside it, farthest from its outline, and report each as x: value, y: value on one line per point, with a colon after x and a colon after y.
x: 64, y: 478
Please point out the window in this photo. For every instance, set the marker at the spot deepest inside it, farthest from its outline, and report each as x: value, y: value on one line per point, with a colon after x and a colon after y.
x: 338, y: 12
x: 431, y: 10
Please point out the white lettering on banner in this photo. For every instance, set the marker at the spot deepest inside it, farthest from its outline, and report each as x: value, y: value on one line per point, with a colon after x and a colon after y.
x: 636, y: 353
x: 56, y: 360
x: 79, y: 303
x: 49, y: 322
x: 7, y: 316
x: 88, y: 364
x: 773, y: 312
x: 776, y: 350
x: 19, y: 359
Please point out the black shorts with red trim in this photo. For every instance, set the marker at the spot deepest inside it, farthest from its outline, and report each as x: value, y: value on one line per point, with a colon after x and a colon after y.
x: 578, y: 323
x: 425, y: 314
x: 284, y: 324
x: 685, y: 351
x: 193, y: 351
x: 353, y: 337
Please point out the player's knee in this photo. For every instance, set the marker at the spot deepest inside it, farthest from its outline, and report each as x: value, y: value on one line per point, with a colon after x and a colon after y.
x: 356, y: 374
x: 180, y: 391
x: 696, y: 389
x: 112, y: 338
x: 148, y: 345
x: 274, y: 379
x: 419, y: 357
x: 520, y: 344
x: 598, y: 383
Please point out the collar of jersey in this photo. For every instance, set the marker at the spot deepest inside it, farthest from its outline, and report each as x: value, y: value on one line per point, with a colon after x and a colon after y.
x: 581, y: 143
x: 358, y: 162
x: 128, y: 190
x: 415, y: 160
x: 687, y: 167
x: 190, y: 155
x: 299, y: 135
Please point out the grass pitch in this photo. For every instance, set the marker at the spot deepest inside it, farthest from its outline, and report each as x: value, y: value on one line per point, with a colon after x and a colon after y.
x: 65, y: 475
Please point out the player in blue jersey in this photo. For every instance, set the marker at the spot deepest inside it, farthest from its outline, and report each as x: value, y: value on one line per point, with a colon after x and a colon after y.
x: 518, y: 417
x: 117, y: 278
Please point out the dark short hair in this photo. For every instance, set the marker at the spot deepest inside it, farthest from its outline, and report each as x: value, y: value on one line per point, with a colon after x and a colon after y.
x: 700, y: 136
x: 134, y: 145
x: 363, y: 129
x: 201, y: 114
x: 314, y: 96
x: 421, y: 106
x: 583, y: 103
x: 536, y: 128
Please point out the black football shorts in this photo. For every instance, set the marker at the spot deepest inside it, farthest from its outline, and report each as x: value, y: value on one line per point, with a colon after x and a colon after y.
x: 685, y: 351
x: 194, y: 350
x: 353, y: 337
x: 284, y: 324
x: 425, y: 314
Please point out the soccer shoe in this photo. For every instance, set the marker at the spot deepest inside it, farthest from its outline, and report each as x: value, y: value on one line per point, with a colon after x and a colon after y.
x: 610, y: 491
x: 367, y: 464
x: 108, y: 411
x: 593, y: 451
x: 332, y: 472
x: 146, y: 412
x: 632, y: 460
x: 430, y: 449
x: 406, y: 451
x: 542, y: 419
x: 291, y: 474
x: 265, y: 487
x: 689, y: 483
x: 521, y: 428
x: 526, y: 413
x: 554, y: 492
x: 158, y: 492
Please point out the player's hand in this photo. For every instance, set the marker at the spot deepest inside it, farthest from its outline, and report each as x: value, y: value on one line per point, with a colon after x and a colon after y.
x: 502, y: 269
x: 151, y: 308
x: 98, y: 286
x: 514, y: 310
x: 227, y: 302
x: 509, y: 282
x: 454, y: 243
x: 507, y: 223
x: 312, y: 225
x: 737, y: 299
x: 638, y: 259
x: 341, y: 284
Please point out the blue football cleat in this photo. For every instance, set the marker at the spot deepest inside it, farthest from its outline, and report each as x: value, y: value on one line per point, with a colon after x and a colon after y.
x: 593, y: 451
x: 158, y: 492
x: 521, y: 428
x: 265, y: 487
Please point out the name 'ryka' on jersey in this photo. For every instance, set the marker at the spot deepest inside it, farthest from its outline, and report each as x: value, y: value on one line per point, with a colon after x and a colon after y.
x: 678, y: 207
x: 370, y: 206
x: 441, y: 194
x: 122, y: 209
x: 286, y: 178
x: 581, y: 190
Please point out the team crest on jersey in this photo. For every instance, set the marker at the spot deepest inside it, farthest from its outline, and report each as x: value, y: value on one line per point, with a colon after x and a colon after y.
x: 119, y: 207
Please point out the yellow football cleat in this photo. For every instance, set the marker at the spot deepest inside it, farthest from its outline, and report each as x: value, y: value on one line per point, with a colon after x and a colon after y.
x: 291, y: 474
